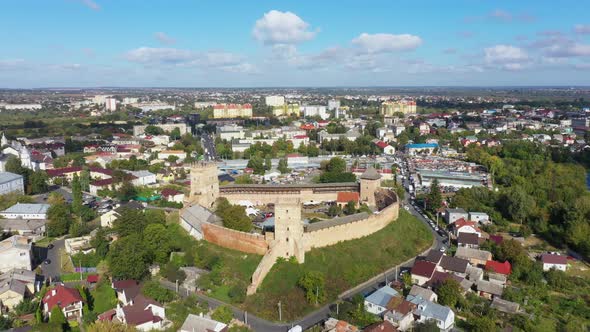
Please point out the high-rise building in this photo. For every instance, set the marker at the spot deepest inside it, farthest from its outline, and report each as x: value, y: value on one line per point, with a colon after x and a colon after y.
x: 100, y: 99
x: 315, y: 110
x: 111, y: 104
x: 286, y: 110
x: 333, y: 104
x: 224, y: 111
x: 389, y: 108
x: 274, y: 100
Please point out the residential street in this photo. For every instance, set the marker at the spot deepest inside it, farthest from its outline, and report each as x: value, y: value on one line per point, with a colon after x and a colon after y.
x: 52, y: 269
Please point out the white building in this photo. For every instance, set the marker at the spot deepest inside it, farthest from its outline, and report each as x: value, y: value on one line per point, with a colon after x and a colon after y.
x: 13, y: 107
x: 15, y: 253
x: 167, y: 127
x: 130, y: 100
x: 229, y: 132
x: 480, y: 217
x: 333, y: 104
x: 111, y: 104
x: 443, y: 316
x: 11, y: 183
x: 315, y: 110
x: 376, y: 303
x: 26, y: 211
x: 274, y: 100
x: 100, y: 99
x: 199, y: 323
x: 551, y: 261
x: 143, y: 178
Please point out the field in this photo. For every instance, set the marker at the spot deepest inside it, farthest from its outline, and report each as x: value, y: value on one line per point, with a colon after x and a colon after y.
x: 344, y: 266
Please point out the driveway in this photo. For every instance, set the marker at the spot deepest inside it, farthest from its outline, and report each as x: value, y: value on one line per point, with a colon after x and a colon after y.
x: 53, y: 269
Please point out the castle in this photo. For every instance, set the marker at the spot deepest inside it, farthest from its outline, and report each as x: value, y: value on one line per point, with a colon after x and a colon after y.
x: 291, y: 238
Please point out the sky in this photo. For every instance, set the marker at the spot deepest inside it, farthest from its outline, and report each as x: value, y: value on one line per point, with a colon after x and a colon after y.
x: 303, y: 43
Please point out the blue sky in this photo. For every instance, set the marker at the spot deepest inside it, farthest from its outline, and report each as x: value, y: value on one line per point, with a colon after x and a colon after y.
x: 197, y: 43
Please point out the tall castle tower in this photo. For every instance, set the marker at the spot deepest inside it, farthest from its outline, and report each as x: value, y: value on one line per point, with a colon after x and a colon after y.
x: 289, y: 228
x: 370, y: 182
x: 204, y: 184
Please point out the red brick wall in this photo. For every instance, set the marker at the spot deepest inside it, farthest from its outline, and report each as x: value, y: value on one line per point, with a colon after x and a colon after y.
x: 229, y: 238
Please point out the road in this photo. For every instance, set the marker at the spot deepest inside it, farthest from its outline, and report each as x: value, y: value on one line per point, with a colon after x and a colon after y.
x: 52, y: 269
x: 208, y: 143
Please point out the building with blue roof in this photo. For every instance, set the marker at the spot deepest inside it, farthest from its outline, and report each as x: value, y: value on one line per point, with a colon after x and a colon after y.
x: 443, y: 316
x: 421, y: 148
x: 376, y: 303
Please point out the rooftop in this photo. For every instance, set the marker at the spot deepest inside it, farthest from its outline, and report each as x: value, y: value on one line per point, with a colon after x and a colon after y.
x: 201, y: 324
x: 8, y: 177
x: 27, y: 208
x: 382, y: 296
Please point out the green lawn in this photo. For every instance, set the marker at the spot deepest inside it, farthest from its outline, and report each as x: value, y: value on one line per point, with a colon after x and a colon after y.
x: 104, y: 297
x: 344, y: 266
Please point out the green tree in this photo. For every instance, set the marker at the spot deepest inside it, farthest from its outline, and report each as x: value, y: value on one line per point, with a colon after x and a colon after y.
x: 130, y: 221
x: 129, y: 258
x: 267, y: 163
x: 283, y: 166
x: 154, y: 290
x: 334, y: 210
x: 222, y: 314
x: 350, y: 208
x: 59, y: 219
x: 313, y: 283
x: 516, y: 204
x: 449, y: 293
x: 244, y: 179
x: 5, y: 323
x: 257, y: 164
x: 158, y: 242
x: 57, y: 318
x: 434, y: 197
x: 100, y: 242
x: 175, y: 134
x: 37, y: 183
x: 76, y: 195
x: 85, y: 180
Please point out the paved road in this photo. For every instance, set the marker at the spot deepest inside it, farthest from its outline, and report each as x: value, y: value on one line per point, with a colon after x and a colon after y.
x: 53, y: 269
x: 208, y: 142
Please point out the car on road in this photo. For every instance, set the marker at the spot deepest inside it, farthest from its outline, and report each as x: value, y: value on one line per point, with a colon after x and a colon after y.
x: 50, y: 246
x: 47, y: 262
x: 443, y: 249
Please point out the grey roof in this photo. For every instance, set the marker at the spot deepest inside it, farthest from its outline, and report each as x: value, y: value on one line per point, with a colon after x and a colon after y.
x: 382, y: 296
x: 194, y: 323
x: 16, y: 241
x: 454, y: 264
x: 9, y: 177
x: 22, y: 275
x: 422, y: 292
x: 434, y: 256
x: 9, y: 225
x: 196, y: 215
x: 433, y: 310
x: 371, y: 174
x: 489, y: 287
x: 505, y: 306
x: 468, y: 253
x: 141, y: 173
x: 13, y: 285
x: 27, y: 208
x: 336, y: 221
x: 457, y: 210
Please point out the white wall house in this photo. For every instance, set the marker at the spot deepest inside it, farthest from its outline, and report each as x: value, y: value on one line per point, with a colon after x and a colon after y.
x: 376, y: 303
x: 11, y: 183
x: 15, y: 253
x: 26, y: 211
x: 551, y: 261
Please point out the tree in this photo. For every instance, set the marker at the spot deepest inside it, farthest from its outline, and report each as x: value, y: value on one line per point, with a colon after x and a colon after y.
x: 267, y: 163
x: 37, y: 183
x: 129, y: 258
x: 449, y: 293
x: 100, y: 242
x: 173, y: 273
x: 57, y: 317
x: 127, y: 191
x: 85, y: 180
x: 222, y: 314
x: 350, y: 208
x: 427, y: 326
x: 257, y: 164
x: 5, y: 323
x: 235, y: 218
x: 76, y: 195
x: 158, y: 242
x: 334, y: 210
x: 313, y: 283
x: 336, y: 165
x: 283, y: 166
x: 154, y: 290
x: 153, y: 130
x: 516, y: 204
x: 434, y: 197
x: 110, y: 326
x: 130, y: 221
x: 394, y: 173
x: 59, y: 220
x: 244, y: 179
x: 175, y: 134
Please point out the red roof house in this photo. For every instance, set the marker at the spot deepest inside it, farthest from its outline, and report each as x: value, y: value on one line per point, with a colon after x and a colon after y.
x: 68, y: 299
x: 502, y: 268
x: 344, y: 197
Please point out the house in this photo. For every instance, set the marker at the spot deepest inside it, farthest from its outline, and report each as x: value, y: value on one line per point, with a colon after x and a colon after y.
x: 335, y: 325
x: 434, y: 256
x: 67, y: 299
x: 468, y: 240
x: 199, y: 323
x: 454, y: 265
x: 11, y: 183
x: 505, y: 306
x: 385, y: 147
x: 424, y: 293
x: 377, y: 302
x: 30, y: 228
x: 107, y: 219
x: 400, y: 313
x: 551, y: 261
x: 497, y: 267
x: 26, y: 211
x: 489, y: 289
x: 179, y: 154
x: 452, y: 215
x: 143, y: 178
x: 479, y: 217
x: 474, y: 256
x: 343, y: 197
x: 383, y: 326
x: 443, y: 316
x: 15, y: 253
x: 172, y: 195
x: 76, y: 245
x: 463, y: 226
x: 143, y: 313
x: 15, y: 286
x: 474, y: 273
x: 422, y: 271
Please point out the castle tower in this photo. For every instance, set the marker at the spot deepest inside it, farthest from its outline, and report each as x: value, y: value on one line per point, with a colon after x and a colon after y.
x: 370, y: 182
x: 289, y: 228
x: 204, y: 184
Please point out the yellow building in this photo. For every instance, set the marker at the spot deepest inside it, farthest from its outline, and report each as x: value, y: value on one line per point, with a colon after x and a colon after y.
x: 389, y: 108
x: 225, y: 111
x: 286, y: 110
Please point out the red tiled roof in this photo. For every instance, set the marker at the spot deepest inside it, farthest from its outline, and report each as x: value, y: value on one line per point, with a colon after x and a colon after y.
x: 300, y: 136
x: 307, y: 126
x: 423, y: 269
x: 108, y: 315
x: 381, y: 144
x: 502, y: 268
x: 169, y: 192
x: 293, y: 155
x: 92, y: 278
x: 554, y: 259
x: 63, y: 296
x: 61, y: 171
x: 345, y: 197
x: 122, y: 284
x: 462, y: 223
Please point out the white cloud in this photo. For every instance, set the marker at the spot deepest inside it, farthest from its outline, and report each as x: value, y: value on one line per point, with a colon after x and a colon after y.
x: 582, y: 29
x: 91, y: 4
x: 277, y: 27
x: 384, y: 42
x: 506, y: 57
x: 568, y: 50
x: 164, y: 38
x: 148, y: 55
x: 12, y: 64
